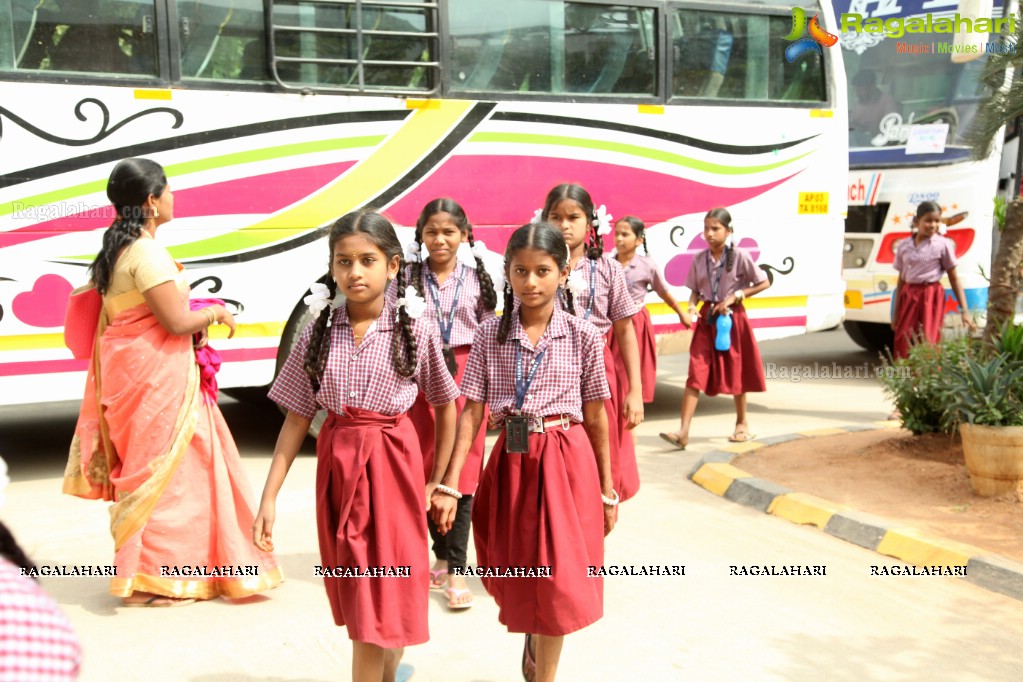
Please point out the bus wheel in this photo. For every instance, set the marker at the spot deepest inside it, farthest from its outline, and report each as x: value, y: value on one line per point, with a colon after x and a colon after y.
x: 299, y: 320
x: 870, y: 335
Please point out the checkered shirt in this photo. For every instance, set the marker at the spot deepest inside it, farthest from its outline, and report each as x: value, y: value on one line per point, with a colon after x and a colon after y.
x: 612, y: 300
x: 571, y: 372
x: 470, y: 311
x: 642, y: 273
x: 364, y: 376
x: 743, y: 273
x: 36, y: 640
x: 925, y: 263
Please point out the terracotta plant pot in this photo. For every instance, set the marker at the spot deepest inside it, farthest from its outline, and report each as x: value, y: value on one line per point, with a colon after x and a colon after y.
x: 994, y: 458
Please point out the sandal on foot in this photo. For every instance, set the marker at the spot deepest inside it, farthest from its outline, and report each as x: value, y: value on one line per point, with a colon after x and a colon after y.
x: 453, y: 594
x: 741, y: 435
x: 158, y: 601
x: 404, y: 673
x: 674, y: 440
x: 438, y: 579
x: 528, y: 661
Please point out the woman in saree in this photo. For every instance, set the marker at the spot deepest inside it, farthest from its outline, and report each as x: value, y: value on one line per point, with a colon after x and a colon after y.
x: 149, y: 438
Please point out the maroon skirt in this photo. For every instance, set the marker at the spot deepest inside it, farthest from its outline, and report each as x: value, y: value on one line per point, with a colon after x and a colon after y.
x: 423, y: 419
x: 647, y: 340
x: 370, y: 497
x: 733, y: 372
x: 542, y: 509
x: 624, y: 468
x: 920, y: 314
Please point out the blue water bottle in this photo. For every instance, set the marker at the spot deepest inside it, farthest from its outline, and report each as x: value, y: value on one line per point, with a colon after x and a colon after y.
x: 723, y: 338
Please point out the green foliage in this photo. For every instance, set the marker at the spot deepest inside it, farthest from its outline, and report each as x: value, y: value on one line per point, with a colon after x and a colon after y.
x: 1009, y: 342
x: 1000, y: 207
x: 988, y: 393
x: 1006, y: 100
x: 918, y: 384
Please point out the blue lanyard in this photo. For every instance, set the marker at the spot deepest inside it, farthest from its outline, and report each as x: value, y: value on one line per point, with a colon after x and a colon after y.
x: 522, y: 384
x: 446, y: 322
x: 593, y: 288
x: 715, y: 283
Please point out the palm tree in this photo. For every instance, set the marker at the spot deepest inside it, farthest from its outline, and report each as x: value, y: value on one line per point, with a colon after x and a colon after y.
x: 1004, y: 106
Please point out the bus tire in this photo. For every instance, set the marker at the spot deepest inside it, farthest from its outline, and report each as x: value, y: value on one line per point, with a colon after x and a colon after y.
x: 299, y: 320
x: 872, y: 336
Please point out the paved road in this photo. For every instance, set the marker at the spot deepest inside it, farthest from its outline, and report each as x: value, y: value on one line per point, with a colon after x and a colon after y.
x: 705, y: 625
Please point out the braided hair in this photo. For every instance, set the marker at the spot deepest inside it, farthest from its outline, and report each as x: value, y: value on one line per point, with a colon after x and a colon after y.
x: 578, y: 194
x: 457, y: 213
x: 130, y: 184
x: 725, y: 218
x: 638, y: 229
x: 378, y: 230
x: 10, y: 550
x: 546, y: 238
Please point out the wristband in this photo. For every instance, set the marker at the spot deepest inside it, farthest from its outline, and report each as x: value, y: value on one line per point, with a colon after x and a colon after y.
x: 739, y: 295
x: 610, y: 501
x: 448, y: 491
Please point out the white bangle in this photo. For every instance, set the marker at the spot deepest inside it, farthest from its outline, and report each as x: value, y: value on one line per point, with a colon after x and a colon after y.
x: 739, y: 295
x: 448, y: 491
x: 610, y: 501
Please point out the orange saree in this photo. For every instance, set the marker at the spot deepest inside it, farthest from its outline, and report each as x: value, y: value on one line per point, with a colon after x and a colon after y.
x: 148, y: 442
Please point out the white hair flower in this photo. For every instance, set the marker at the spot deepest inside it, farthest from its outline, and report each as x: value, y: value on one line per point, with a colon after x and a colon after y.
x: 4, y: 479
x: 537, y: 216
x: 942, y: 229
x: 603, y: 220
x: 412, y: 250
x: 576, y: 283
x: 318, y: 299
x: 464, y: 255
x: 414, y: 304
x: 479, y: 250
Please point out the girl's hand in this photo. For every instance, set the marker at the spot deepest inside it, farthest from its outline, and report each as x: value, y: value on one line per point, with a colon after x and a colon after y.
x: 430, y: 487
x: 686, y: 319
x: 225, y: 317
x: 610, y: 518
x: 262, y: 528
x: 443, y: 511
x: 722, y: 307
x: 203, y: 337
x: 634, y: 408
x: 968, y: 321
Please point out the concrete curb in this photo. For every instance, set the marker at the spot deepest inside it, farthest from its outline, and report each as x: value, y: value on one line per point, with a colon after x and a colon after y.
x: 715, y: 473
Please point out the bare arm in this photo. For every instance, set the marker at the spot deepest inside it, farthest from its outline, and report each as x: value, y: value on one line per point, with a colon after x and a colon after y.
x: 957, y: 288
x: 595, y: 423
x: 444, y: 506
x: 747, y: 292
x: 625, y: 333
x: 293, y: 432
x: 173, y: 314
x: 895, y: 306
x: 443, y: 441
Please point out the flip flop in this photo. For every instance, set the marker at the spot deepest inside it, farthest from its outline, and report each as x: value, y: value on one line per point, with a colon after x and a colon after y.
x: 741, y: 436
x: 404, y: 673
x: 528, y: 662
x: 159, y: 601
x: 673, y: 439
x: 453, y: 594
x: 438, y: 579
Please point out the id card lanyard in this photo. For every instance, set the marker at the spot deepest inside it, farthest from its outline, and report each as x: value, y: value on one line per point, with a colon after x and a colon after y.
x: 522, y: 384
x: 446, y: 322
x: 593, y: 288
x: 714, y: 282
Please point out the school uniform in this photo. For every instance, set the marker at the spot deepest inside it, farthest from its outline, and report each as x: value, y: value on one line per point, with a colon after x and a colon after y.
x: 921, y: 302
x: 641, y: 275
x: 609, y: 302
x: 370, y: 488
x: 740, y: 369
x: 457, y: 307
x: 541, y: 508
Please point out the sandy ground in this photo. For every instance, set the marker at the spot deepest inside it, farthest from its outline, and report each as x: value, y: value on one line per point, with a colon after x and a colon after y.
x: 918, y: 481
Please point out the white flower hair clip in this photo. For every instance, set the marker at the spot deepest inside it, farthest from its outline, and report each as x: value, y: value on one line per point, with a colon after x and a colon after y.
x: 942, y: 229
x: 318, y: 299
x: 576, y: 283
x: 412, y: 250
x: 414, y: 304
x: 464, y: 255
x: 603, y: 220
x: 537, y: 216
x: 479, y: 250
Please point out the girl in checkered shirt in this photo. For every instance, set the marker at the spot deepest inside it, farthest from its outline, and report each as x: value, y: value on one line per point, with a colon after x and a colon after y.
x: 602, y: 297
x: 539, y: 503
x: 461, y: 298
x: 364, y: 361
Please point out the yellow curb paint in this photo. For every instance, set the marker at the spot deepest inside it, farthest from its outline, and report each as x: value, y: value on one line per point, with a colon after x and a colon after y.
x: 651, y: 108
x: 716, y: 477
x: 804, y: 509
x: 153, y: 94
x: 888, y: 424
x: 915, y: 547
x: 822, y: 432
x: 743, y: 447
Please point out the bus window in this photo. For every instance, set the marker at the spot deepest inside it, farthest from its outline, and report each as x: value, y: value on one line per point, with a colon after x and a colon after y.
x: 734, y: 56
x: 552, y: 47
x: 109, y: 37
x: 222, y: 40
x: 392, y: 48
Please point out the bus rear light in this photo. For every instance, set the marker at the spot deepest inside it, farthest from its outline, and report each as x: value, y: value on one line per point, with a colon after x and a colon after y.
x: 962, y: 238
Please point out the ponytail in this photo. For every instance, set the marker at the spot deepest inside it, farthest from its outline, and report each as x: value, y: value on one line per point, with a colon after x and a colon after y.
x: 509, y: 303
x: 405, y: 348
x: 487, y: 293
x: 319, y: 340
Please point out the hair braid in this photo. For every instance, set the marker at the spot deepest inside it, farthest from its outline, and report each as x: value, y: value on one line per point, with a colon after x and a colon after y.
x: 569, y: 302
x: 487, y: 292
x: 596, y: 245
x: 10, y: 550
x: 509, y: 306
x: 729, y: 257
x: 319, y: 340
x: 404, y: 346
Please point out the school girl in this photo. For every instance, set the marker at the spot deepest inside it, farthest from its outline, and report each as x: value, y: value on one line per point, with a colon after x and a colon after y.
x: 364, y: 361
x: 602, y: 298
x: 459, y: 297
x: 921, y: 260
x: 721, y: 277
x: 546, y: 499
x: 642, y: 274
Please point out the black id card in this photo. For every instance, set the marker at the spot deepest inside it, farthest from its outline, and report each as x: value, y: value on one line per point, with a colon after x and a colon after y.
x: 449, y: 359
x: 516, y: 434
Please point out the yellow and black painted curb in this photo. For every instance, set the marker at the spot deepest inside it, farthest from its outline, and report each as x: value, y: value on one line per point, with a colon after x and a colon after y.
x: 715, y: 472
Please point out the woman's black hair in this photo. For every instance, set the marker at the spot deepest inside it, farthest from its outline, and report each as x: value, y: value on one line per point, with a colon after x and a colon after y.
x: 457, y: 213
x: 546, y: 238
x: 130, y: 184
x: 578, y: 194
x: 725, y: 218
x: 638, y: 229
x: 380, y: 232
x: 10, y: 550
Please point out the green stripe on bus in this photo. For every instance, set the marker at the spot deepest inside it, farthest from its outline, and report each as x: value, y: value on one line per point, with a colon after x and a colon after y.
x: 222, y: 161
x: 633, y: 150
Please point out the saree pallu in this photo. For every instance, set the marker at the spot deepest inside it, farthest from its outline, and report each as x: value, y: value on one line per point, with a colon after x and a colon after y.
x: 921, y: 312
x: 148, y: 442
